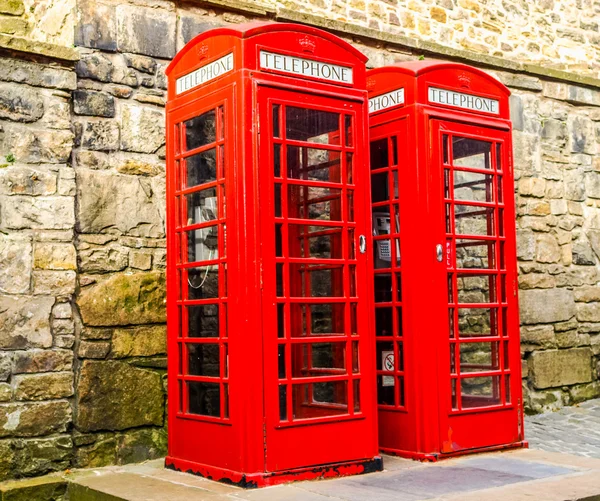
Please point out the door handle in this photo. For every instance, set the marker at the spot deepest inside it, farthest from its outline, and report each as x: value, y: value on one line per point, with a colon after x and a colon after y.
x: 362, y: 244
x: 439, y: 252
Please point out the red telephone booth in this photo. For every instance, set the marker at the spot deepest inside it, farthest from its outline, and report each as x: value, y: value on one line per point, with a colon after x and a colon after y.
x: 271, y: 349
x: 445, y: 277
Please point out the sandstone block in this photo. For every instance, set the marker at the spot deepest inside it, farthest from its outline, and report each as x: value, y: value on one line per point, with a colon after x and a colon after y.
x: 554, y: 368
x: 101, y: 451
x: 118, y: 203
x: 116, y: 396
x: 141, y: 63
x: 5, y: 392
x: 142, y: 129
x: 582, y: 135
x: 89, y: 102
x: 54, y: 256
x: 525, y: 245
x: 20, y: 180
x: 547, y: 249
x: 33, y: 361
x: 146, y: 31
x: 5, y: 366
x: 574, y: 185
x: 139, y: 342
x: 124, y: 300
x: 588, y: 312
x: 539, y: 335
x: 582, y: 253
x: 572, y: 339
x: 139, y: 167
x: 88, y: 349
x: 100, y: 135
x: 101, y: 260
x: 140, y: 260
x: 38, y: 145
x: 546, y: 305
x: 95, y: 66
x: 587, y: 294
x: 517, y: 112
x: 34, y: 419
x: 43, y: 386
x: 36, y: 74
x: 97, y: 26
x: 15, y: 264
x: 20, y: 104
x: 141, y: 445
x: 23, y: 212
x: 54, y: 282
x: 583, y: 96
x: 527, y: 157
x: 532, y: 186
x: 536, y: 281
x: 25, y: 322
x: 12, y: 7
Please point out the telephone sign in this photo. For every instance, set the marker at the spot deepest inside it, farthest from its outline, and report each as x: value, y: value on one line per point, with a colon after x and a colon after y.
x: 271, y: 349
x: 447, y: 331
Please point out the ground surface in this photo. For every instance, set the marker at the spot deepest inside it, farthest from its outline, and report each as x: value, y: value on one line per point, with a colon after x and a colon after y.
x: 575, y: 430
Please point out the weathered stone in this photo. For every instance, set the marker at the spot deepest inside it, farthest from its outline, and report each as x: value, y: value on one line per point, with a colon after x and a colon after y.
x: 116, y: 396
x: 141, y: 63
x: 36, y: 74
x: 20, y: 180
x: 89, y: 102
x: 141, y: 445
x: 54, y: 282
x: 588, y: 312
x: 146, y: 31
x: 101, y: 452
x: 38, y: 145
x: 92, y: 333
x: 95, y: 66
x: 594, y: 239
x: 33, y: 361
x: 574, y: 185
x: 546, y: 306
x: 142, y: 129
x: 43, y: 386
x: 103, y: 260
x: 585, y: 392
x: 525, y: 245
x: 536, y: 281
x: 52, y: 488
x: 12, y: 7
x: 583, y: 96
x: 5, y: 366
x: 63, y: 326
x: 8, y: 463
x: 20, y: 104
x: 140, y: 260
x: 34, y: 419
x: 139, y: 342
x: 587, y: 294
x: 566, y: 326
x: 558, y: 207
x: 517, y: 112
x: 37, y: 456
x: 552, y: 368
x: 527, y: 157
x: 64, y: 341
x: 5, y: 392
x: 97, y: 26
x: 92, y: 159
x: 539, y: 335
x: 23, y: 212
x: 124, y: 75
x: 124, y: 300
x: 25, y: 322
x: 139, y: 167
x: 54, y: 256
x: 88, y: 349
x: 100, y: 135
x: 532, y: 186
x: 582, y: 253
x: 15, y: 264
x: 547, y: 249
x: 582, y: 135
x: 547, y: 401
x: 118, y: 203
x: 572, y: 339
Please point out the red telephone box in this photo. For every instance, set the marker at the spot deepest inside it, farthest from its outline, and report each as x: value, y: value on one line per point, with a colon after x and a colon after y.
x: 447, y: 326
x: 271, y: 349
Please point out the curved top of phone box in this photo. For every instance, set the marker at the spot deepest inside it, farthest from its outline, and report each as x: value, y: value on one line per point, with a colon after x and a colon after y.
x: 451, y: 86
x: 287, y: 49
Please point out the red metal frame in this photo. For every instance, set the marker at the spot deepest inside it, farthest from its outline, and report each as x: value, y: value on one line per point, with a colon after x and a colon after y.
x: 459, y: 373
x: 254, y: 398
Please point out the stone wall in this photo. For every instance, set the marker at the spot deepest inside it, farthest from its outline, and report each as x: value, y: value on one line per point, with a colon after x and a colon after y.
x: 82, y: 243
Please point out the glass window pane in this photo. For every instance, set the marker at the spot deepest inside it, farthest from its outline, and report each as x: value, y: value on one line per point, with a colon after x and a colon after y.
x: 204, y: 398
x: 384, y: 324
x: 383, y: 288
x: 317, y: 319
x: 473, y: 220
x: 202, y: 244
x: 315, y: 126
x: 475, y: 254
x: 315, y: 241
x: 379, y: 154
x: 477, y: 322
x: 203, y: 282
x: 476, y: 288
x: 201, y: 168
x: 472, y: 153
x: 313, y: 164
x: 203, y: 321
x: 480, y: 391
x: 385, y: 390
x: 316, y: 281
x: 478, y: 357
x: 473, y: 186
x: 318, y: 359
x: 379, y: 187
x: 204, y: 359
x: 200, y: 131
x: 312, y: 202
x: 320, y: 399
x: 276, y: 131
x: 202, y: 206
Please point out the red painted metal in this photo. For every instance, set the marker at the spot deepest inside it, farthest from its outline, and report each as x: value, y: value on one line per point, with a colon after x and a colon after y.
x: 271, y: 374
x: 448, y: 326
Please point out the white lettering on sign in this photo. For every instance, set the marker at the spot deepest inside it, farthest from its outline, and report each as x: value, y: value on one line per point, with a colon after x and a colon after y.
x: 385, y: 101
x: 205, y: 73
x: 464, y: 101
x: 305, y: 67
x: 387, y: 363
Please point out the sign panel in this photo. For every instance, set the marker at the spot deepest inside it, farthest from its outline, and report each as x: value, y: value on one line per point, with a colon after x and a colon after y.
x: 464, y: 101
x: 205, y: 73
x: 305, y: 67
x: 387, y: 363
x: 385, y: 101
